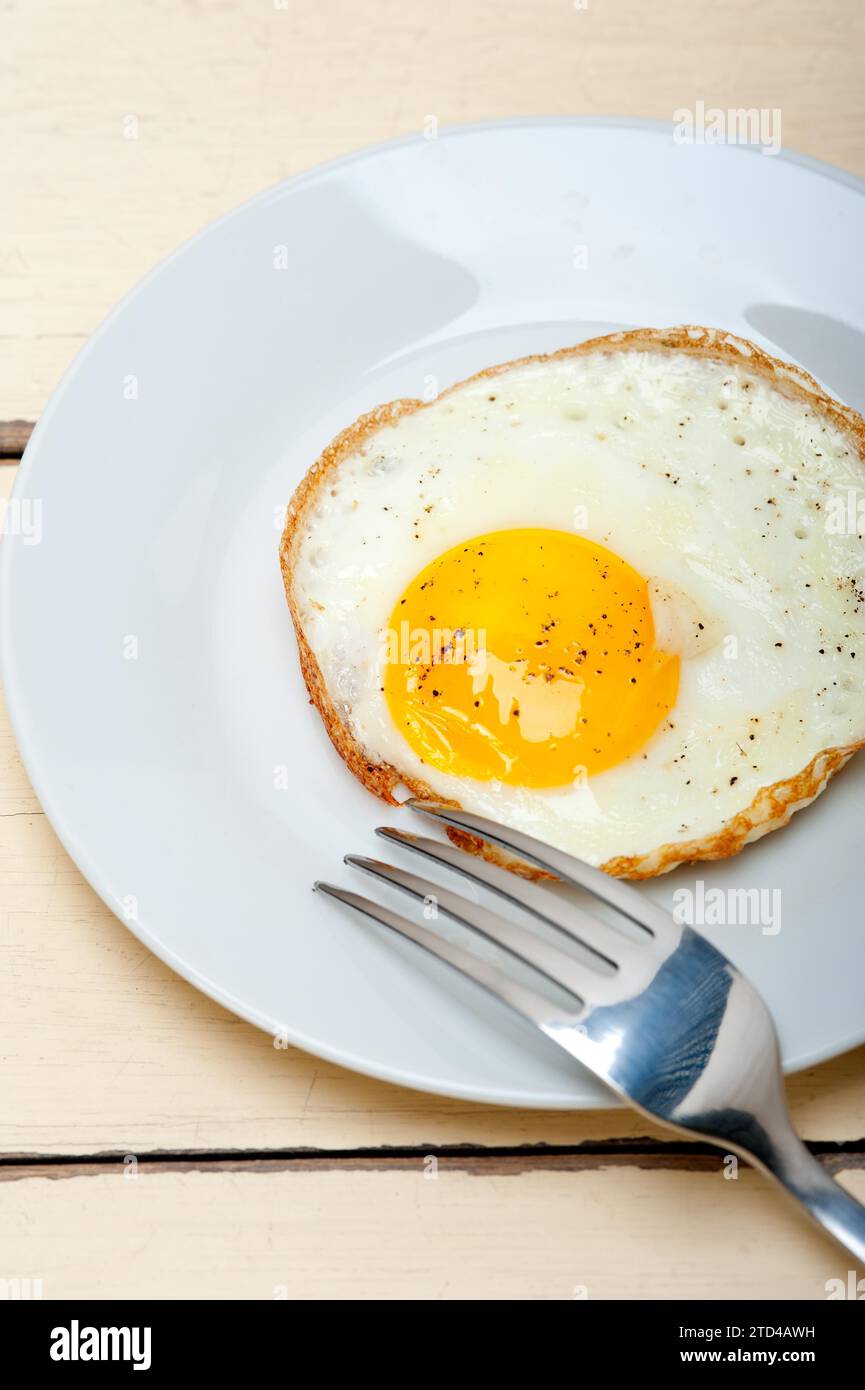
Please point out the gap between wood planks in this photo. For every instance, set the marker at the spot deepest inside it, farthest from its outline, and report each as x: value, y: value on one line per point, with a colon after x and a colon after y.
x: 483, y: 1162
x: 14, y: 435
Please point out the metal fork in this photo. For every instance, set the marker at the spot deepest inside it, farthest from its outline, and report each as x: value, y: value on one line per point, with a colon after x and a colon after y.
x: 659, y: 1014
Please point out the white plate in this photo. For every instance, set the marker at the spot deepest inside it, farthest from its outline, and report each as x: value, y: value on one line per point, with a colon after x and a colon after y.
x: 167, y: 451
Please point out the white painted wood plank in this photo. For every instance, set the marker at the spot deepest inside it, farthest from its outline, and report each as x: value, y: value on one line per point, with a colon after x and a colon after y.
x: 128, y: 128
x: 625, y: 1234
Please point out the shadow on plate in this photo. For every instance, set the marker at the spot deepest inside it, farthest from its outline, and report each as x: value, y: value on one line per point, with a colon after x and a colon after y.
x: 833, y: 350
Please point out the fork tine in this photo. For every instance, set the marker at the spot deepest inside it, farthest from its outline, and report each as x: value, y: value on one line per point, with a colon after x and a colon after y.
x: 523, y: 1000
x: 590, y: 932
x: 613, y: 891
x: 559, y: 967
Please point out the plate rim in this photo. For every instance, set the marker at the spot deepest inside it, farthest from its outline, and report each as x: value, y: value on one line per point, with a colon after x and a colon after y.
x: 533, y: 1100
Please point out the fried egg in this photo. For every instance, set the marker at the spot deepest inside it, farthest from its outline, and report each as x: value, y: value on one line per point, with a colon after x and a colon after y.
x: 612, y: 597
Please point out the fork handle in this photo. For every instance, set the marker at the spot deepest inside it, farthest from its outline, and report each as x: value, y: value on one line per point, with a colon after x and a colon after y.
x: 799, y: 1173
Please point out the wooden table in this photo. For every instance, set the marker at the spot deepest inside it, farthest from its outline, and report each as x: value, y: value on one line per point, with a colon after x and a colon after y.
x: 150, y: 1143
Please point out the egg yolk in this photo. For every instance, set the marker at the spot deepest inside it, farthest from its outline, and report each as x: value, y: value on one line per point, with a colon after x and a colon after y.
x: 527, y: 656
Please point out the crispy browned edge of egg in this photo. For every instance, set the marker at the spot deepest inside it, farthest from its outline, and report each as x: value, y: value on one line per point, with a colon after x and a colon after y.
x: 774, y: 805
